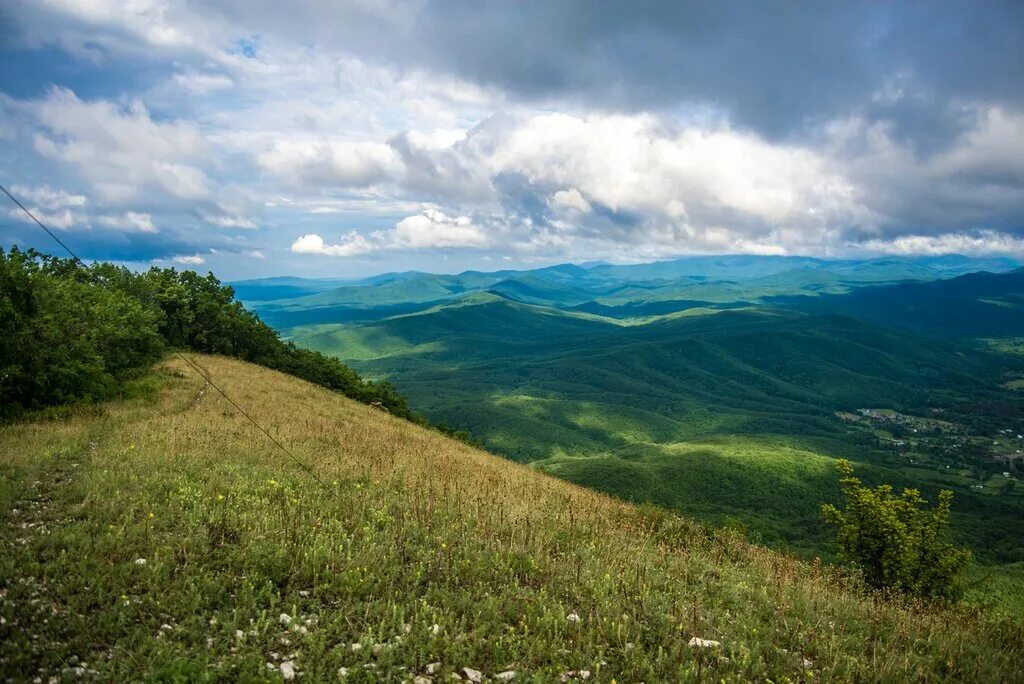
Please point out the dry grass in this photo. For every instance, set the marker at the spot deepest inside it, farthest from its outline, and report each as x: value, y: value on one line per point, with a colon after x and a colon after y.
x: 164, y: 538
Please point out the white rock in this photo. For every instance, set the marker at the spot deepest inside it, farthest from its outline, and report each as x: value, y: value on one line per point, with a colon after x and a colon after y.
x: 506, y: 676
x: 420, y: 679
x: 165, y: 627
x: 343, y: 672
x: 808, y: 663
x: 288, y: 670
x: 433, y: 668
x: 704, y: 643
x: 472, y: 675
x: 356, y: 647
x: 285, y: 619
x: 140, y: 561
x: 573, y: 617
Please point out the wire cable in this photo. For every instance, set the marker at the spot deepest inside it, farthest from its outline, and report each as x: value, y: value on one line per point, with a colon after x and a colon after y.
x: 181, y: 356
x: 40, y: 224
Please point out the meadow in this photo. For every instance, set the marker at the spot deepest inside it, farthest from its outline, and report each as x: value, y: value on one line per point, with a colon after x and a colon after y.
x: 161, y: 537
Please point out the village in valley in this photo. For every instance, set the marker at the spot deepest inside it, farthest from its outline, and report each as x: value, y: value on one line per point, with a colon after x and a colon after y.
x: 982, y: 455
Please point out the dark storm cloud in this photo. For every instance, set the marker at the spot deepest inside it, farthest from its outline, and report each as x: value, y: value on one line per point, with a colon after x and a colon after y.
x: 772, y: 66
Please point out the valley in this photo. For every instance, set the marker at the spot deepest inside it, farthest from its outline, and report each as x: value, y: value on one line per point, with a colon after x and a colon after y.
x: 724, y: 398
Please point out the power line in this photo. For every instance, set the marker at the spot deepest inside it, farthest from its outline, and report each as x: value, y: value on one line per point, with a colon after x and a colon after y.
x: 40, y: 224
x: 181, y: 356
x: 238, y: 408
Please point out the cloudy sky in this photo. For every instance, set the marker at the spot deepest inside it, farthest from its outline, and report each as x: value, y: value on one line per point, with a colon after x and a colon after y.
x: 325, y: 137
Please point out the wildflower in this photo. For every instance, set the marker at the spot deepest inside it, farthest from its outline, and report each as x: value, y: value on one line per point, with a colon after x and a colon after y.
x: 356, y: 647
x: 573, y: 617
x: 152, y: 515
x: 165, y: 627
x: 435, y: 629
x: 343, y: 672
x: 140, y: 561
x: 220, y: 497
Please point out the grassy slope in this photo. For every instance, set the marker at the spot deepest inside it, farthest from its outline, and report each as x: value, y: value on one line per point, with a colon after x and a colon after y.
x: 162, y: 538
x: 743, y: 389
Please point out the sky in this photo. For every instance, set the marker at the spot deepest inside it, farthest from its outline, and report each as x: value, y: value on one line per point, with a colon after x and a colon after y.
x: 346, y: 138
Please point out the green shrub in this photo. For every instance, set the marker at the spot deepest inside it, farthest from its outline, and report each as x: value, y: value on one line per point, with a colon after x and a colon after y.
x: 896, y: 542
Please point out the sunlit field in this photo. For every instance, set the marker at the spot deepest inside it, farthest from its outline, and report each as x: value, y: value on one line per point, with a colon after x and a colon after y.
x: 162, y: 537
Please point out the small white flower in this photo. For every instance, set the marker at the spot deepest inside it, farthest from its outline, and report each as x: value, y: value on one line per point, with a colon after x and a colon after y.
x: 343, y: 672
x: 356, y: 647
x: 435, y: 629
x: 140, y: 561
x: 165, y: 627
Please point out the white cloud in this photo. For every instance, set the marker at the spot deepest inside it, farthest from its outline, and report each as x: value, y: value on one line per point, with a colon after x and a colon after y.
x: 569, y: 200
x: 47, y: 196
x: 323, y: 162
x: 229, y: 221
x: 433, y: 229
x: 189, y: 260
x: 978, y: 243
x: 121, y: 150
x: 201, y: 83
x: 63, y: 219
x: 352, y: 244
x: 130, y: 221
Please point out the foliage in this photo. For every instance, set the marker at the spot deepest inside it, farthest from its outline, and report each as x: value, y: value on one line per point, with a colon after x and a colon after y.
x: 895, y: 541
x: 73, y: 332
x: 64, y: 338
x: 163, y: 539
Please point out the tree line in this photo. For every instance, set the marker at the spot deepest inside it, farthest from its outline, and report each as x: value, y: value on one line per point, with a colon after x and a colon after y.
x: 72, y: 332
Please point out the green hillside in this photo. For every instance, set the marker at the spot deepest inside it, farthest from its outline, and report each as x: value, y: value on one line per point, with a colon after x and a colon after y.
x: 972, y: 305
x: 162, y: 538
x: 722, y: 415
